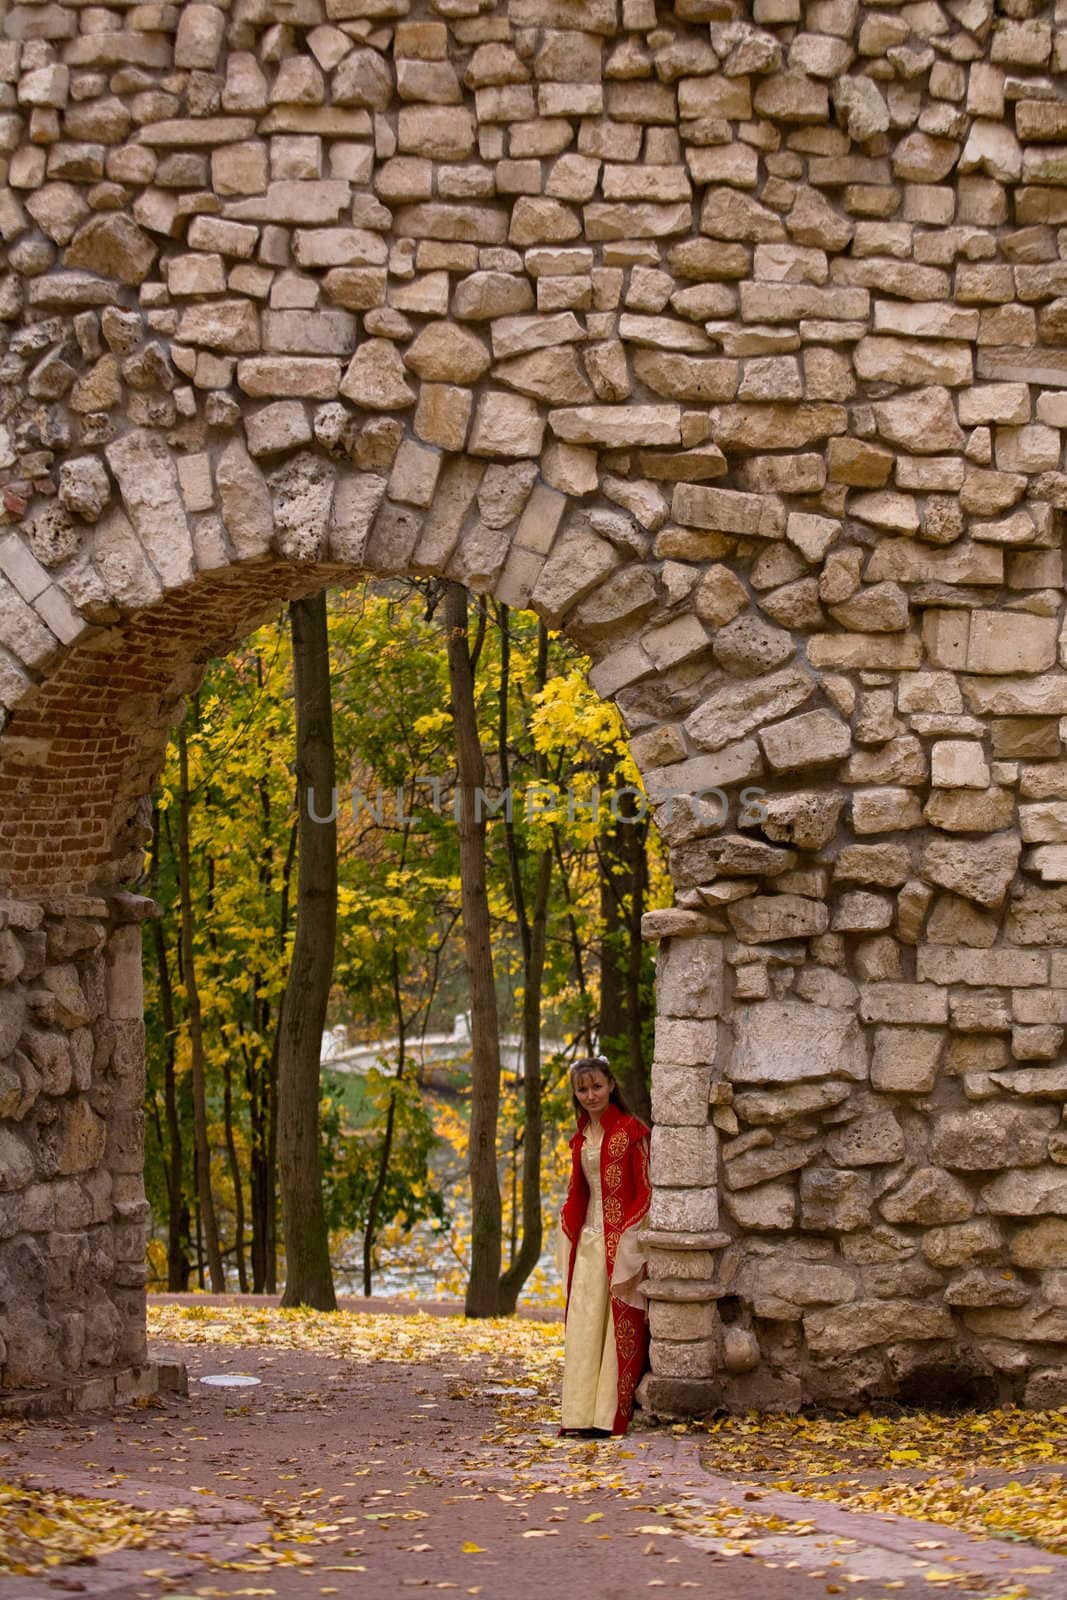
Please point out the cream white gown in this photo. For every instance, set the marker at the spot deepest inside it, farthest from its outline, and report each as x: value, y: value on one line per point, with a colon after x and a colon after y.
x: 590, y: 1370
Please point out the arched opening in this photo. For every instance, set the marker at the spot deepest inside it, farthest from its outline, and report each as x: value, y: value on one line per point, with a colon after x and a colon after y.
x: 82, y: 758
x: 567, y: 855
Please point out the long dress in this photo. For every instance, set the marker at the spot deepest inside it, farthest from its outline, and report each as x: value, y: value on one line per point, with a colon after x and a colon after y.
x: 606, y: 1342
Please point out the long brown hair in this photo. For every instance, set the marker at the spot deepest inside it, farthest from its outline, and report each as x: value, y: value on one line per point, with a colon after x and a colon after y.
x: 602, y: 1065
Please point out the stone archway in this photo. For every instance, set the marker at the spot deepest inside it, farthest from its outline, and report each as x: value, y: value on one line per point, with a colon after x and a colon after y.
x: 732, y: 346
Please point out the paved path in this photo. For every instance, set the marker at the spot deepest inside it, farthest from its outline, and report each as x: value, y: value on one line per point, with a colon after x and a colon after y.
x: 406, y: 1465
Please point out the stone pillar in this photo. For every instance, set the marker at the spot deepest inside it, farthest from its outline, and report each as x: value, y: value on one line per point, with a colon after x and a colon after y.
x: 683, y: 1222
x: 72, y: 1207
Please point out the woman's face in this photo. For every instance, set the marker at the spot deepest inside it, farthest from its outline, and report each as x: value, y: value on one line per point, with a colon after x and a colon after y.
x: 592, y: 1090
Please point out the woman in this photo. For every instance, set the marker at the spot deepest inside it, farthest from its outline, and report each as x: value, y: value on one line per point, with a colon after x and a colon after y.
x: 600, y: 1258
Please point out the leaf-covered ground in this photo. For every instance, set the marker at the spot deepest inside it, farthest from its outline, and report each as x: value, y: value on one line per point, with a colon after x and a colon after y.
x: 40, y: 1529
x: 366, y: 1336
x: 1001, y: 1472
x: 434, y: 1446
x: 955, y: 1469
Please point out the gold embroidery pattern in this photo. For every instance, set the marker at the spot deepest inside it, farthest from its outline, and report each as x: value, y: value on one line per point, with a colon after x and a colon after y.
x: 613, y: 1175
x: 625, y: 1340
x: 617, y: 1144
x: 642, y: 1157
x: 613, y: 1210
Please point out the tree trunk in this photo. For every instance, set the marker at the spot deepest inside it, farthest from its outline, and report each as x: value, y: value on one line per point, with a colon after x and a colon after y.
x: 235, y: 1179
x: 309, y: 1280
x: 272, y: 1078
x: 483, y: 1285
x: 533, y: 934
x: 206, y: 1202
x: 381, y: 1178
x: 177, y: 1256
x: 585, y: 1033
x: 257, y: 1171
x: 532, y: 1229
x: 623, y: 869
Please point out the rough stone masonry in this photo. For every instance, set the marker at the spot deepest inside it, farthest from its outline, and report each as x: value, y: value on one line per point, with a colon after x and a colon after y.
x: 732, y: 340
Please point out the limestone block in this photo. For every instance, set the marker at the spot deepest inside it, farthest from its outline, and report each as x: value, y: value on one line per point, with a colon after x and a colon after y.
x: 806, y: 819
x: 1035, y: 1192
x: 734, y: 710
x: 788, y: 1103
x: 980, y: 871
x: 310, y: 378
x: 862, y: 912
x: 239, y: 169
x: 873, y: 1138
x: 82, y: 1138
x: 903, y: 1003
x: 769, y: 1207
x: 576, y: 566
x: 148, y: 483
x: 873, y: 1322
x: 443, y: 353
x: 885, y: 810
x: 880, y: 358
x: 442, y: 415
x: 685, y: 1043
x: 114, y: 246
x: 788, y: 1041
x: 684, y: 1157
x: 684, y: 1210
x: 1005, y: 643
x: 554, y: 376
x: 699, y: 379
x: 682, y: 1321
x: 779, y: 1284
x: 302, y: 496
x: 989, y: 1137
x: 245, y: 498
x: 834, y: 1201
x: 813, y: 739
x: 680, y: 1095
x: 230, y: 325
x: 375, y: 378
x: 1041, y: 1244
x: 766, y: 918
x: 362, y: 78
x: 440, y: 133
x: 357, y: 499
x: 728, y: 511
x: 505, y: 425
x: 906, y: 1059
x: 84, y: 489
x: 695, y: 1358
x: 958, y: 763
x: 617, y: 427
x: 414, y: 476
x: 930, y: 1196
x: 761, y: 1164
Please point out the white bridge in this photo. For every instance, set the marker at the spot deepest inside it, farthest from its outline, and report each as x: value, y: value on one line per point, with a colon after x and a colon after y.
x: 443, y: 1053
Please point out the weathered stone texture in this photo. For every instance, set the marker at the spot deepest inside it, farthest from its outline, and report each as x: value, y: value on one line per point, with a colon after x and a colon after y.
x: 735, y: 352
x: 57, y: 1176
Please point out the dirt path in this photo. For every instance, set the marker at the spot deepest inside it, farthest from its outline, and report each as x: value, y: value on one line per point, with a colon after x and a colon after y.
x: 420, y: 1476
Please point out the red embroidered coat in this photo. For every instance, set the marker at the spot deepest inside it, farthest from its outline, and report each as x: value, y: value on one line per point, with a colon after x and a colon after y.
x: 626, y: 1192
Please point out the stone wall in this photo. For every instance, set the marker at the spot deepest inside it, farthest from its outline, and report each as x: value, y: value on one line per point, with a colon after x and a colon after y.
x: 731, y: 341
x: 72, y: 1205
